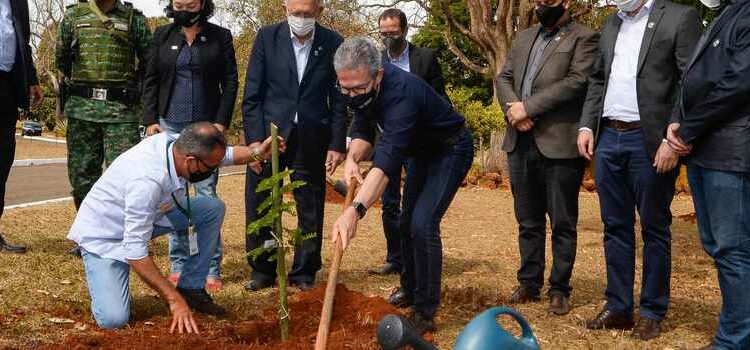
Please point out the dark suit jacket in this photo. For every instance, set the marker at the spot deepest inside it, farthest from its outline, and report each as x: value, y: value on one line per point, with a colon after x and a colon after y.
x: 273, y: 94
x: 23, y: 72
x: 424, y: 64
x: 219, y: 72
x: 664, y: 54
x: 558, y: 89
x: 715, y: 113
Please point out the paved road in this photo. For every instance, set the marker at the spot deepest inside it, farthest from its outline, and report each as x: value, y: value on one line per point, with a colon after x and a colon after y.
x: 38, y: 183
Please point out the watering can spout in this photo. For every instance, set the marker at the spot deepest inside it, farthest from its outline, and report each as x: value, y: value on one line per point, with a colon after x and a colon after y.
x: 484, y: 333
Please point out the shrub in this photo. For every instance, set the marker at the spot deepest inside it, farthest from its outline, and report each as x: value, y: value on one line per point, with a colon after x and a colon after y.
x: 481, y: 119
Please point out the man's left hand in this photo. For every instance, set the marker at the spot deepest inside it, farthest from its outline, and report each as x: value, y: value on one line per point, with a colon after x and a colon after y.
x: 333, y: 160
x: 666, y: 159
x: 516, y: 112
x: 36, y: 95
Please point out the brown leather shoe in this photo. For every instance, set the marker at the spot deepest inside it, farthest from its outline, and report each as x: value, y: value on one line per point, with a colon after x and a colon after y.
x: 558, y: 305
x: 646, y: 329
x: 611, y: 320
x: 522, y: 295
x: 11, y: 248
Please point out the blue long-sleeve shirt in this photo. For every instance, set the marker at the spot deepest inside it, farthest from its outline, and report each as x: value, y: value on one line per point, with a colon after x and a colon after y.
x: 414, y: 120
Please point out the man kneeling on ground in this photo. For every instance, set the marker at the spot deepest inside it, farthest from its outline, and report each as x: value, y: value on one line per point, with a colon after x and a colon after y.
x: 143, y: 195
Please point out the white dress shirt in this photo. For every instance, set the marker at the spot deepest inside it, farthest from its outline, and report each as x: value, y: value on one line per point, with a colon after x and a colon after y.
x: 621, y: 99
x: 7, y: 37
x: 116, y: 219
x: 301, y: 54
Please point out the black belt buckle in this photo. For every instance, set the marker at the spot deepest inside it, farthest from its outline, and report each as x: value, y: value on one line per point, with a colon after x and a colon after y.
x: 99, y: 94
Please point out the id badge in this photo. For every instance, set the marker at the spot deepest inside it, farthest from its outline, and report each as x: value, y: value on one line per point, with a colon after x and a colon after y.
x: 192, y: 240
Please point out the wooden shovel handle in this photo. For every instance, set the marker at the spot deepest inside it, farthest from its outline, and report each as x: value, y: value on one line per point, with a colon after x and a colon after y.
x: 324, y: 326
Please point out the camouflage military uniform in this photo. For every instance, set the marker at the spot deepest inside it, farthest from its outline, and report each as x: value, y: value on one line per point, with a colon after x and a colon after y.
x: 94, y: 52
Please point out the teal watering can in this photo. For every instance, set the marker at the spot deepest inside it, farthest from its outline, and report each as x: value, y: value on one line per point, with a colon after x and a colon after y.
x: 484, y: 333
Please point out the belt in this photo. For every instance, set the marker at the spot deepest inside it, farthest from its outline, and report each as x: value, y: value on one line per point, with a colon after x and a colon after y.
x: 121, y: 95
x: 620, y: 125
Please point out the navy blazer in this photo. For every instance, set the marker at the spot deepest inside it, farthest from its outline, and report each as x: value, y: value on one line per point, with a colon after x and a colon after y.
x: 273, y: 93
x: 217, y: 62
x: 715, y: 113
x: 23, y: 72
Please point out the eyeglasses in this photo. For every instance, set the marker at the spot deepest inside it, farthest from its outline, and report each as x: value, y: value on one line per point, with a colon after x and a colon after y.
x: 208, y: 167
x: 356, y: 90
x: 393, y: 35
x: 301, y: 14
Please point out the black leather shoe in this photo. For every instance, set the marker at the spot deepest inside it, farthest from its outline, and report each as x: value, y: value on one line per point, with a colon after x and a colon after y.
x: 421, y: 323
x: 386, y: 269
x: 11, y: 248
x: 559, y: 304
x: 302, y: 285
x: 199, y: 300
x: 646, y: 329
x: 611, y: 320
x: 399, y: 299
x: 256, y: 285
x: 522, y: 295
x: 75, y: 251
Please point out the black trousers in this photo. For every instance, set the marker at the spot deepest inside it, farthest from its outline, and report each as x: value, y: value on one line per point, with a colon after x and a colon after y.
x: 310, y: 168
x: 8, y: 118
x: 542, y: 186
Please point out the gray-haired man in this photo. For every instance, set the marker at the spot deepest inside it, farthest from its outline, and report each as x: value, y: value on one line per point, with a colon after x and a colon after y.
x: 141, y: 196
x: 418, y: 124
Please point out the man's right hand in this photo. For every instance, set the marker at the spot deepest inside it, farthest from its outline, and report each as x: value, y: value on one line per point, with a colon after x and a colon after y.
x: 351, y: 170
x: 586, y: 144
x: 182, y: 317
x: 153, y: 129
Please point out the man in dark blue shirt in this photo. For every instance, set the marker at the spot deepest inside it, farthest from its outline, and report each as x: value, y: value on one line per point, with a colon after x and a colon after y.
x: 415, y: 123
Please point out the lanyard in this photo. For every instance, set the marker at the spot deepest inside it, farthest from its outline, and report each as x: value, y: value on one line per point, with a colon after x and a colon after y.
x: 187, y: 212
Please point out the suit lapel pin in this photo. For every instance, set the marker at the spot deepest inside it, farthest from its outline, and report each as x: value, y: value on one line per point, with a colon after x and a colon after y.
x: 717, y: 42
x: 651, y: 25
x: 203, y: 38
x: 174, y: 47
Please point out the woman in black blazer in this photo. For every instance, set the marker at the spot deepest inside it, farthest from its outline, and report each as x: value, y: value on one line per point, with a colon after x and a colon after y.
x: 191, y: 76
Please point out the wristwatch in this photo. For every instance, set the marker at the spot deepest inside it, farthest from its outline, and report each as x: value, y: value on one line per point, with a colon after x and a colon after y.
x: 360, y: 208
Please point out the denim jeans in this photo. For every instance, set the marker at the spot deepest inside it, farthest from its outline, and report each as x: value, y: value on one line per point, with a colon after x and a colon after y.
x: 722, y: 206
x: 625, y: 181
x: 432, y: 181
x: 178, y: 242
x: 108, y: 280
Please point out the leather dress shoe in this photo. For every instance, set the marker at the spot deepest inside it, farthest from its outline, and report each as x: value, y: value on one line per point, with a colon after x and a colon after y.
x: 421, y: 323
x: 11, y: 248
x: 199, y: 300
x: 256, y: 285
x: 75, y: 251
x: 386, y: 269
x: 646, y: 329
x: 399, y: 299
x: 302, y: 285
x: 523, y: 295
x: 559, y: 304
x: 608, y: 319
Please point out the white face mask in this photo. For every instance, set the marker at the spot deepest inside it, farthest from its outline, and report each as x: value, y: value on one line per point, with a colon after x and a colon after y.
x: 712, y: 4
x: 301, y: 26
x: 628, y: 5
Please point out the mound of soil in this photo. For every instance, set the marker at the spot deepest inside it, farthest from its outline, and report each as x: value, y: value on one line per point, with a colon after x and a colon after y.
x: 355, y: 319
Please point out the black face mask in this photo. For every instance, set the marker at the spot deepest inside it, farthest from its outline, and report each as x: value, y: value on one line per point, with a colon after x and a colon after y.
x: 364, y: 101
x: 186, y: 18
x: 548, y: 16
x: 201, y: 175
x: 394, y: 44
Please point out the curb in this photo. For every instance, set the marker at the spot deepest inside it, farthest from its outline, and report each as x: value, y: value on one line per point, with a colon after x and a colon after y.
x: 39, y: 138
x: 33, y: 162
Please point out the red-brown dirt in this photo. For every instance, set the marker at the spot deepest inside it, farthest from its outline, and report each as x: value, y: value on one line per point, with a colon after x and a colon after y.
x: 355, y: 319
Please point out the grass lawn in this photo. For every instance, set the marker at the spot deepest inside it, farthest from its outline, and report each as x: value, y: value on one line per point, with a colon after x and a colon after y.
x: 481, y: 257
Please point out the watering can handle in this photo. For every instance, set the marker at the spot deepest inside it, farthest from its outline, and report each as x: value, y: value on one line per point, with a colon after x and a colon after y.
x: 525, y: 327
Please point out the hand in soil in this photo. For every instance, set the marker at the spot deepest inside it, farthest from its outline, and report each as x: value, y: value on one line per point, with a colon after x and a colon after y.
x: 182, y: 318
